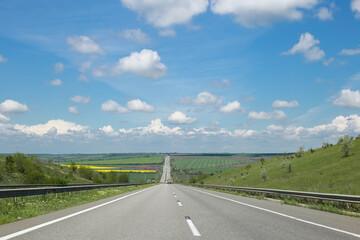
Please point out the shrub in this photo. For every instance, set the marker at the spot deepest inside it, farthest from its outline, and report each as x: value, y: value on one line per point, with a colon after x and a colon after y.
x: 124, y: 178
x: 34, y: 177
x: 112, y: 177
x: 346, y: 144
x: 263, y: 174
x: 73, y: 166
x: 9, y: 164
x: 300, y: 152
x: 86, y: 172
x: 289, y: 167
x: 247, y: 168
x: 262, y: 160
x: 20, y: 161
x: 312, y: 150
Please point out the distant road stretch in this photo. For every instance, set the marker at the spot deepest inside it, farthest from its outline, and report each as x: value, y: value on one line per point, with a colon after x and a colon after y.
x: 166, y: 170
x: 170, y: 211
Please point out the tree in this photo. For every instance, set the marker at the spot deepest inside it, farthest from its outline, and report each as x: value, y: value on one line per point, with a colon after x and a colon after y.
x: 124, y: 178
x: 112, y: 177
x: 300, y: 152
x: 247, y: 168
x: 262, y: 160
x: 263, y: 174
x: 73, y: 166
x: 9, y: 164
x: 346, y: 145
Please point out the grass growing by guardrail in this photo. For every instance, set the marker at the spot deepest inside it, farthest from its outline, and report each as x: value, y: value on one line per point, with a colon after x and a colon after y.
x: 348, y: 209
x: 31, y: 206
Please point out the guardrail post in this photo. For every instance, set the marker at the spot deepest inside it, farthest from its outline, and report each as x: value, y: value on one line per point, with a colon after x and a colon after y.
x: 15, y: 200
x: 69, y: 194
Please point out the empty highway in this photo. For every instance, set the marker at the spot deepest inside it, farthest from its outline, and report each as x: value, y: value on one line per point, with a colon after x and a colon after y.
x: 165, y: 177
x: 169, y: 211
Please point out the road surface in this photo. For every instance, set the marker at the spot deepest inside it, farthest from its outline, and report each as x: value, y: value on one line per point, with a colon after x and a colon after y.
x: 166, y: 170
x: 170, y: 211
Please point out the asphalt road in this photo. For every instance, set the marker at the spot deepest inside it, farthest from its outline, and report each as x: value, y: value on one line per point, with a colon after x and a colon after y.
x: 165, y: 177
x: 170, y: 211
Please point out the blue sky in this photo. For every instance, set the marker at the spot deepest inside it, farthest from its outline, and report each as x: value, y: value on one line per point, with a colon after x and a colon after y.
x: 185, y: 76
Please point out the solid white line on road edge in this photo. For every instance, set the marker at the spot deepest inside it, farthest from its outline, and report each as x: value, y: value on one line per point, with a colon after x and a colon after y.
x: 68, y: 216
x: 180, y: 205
x: 192, y: 227
x: 280, y: 214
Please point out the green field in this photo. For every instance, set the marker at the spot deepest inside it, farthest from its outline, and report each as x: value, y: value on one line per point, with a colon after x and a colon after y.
x: 141, y: 177
x: 209, y: 164
x: 123, y: 161
x: 325, y: 170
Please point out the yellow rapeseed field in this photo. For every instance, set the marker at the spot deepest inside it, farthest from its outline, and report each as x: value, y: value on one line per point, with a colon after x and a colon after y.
x: 110, y: 169
x: 88, y: 166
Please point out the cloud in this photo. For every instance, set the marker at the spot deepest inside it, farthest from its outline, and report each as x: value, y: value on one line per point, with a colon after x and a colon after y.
x: 59, y: 67
x: 262, y: 12
x: 275, y: 128
x: 180, y: 118
x: 355, y: 77
x: 155, y: 127
x: 232, y: 107
x: 348, y: 98
x: 56, y: 82
x: 109, y: 131
x: 307, y: 46
x: 167, y: 33
x: 203, y: 99
x: 222, y: 83
x: 138, y: 105
x: 244, y: 133
x: 275, y: 115
x: 80, y: 99
x: 83, y: 78
x: 62, y: 127
x: 325, y: 14
x: 98, y: 73
x: 328, y: 61
x: 85, y: 66
x: 350, y: 52
x: 4, y: 118
x: 355, y: 7
x: 285, y: 104
x: 165, y: 13
x: 145, y: 64
x: 11, y: 106
x: 214, y: 123
x: 2, y: 59
x: 84, y: 45
x: 112, y: 106
x: 135, y: 35
x: 73, y: 110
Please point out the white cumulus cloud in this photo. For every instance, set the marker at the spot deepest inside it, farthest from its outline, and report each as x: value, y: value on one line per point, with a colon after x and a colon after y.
x: 135, y: 35
x: 232, y: 107
x: 4, y: 118
x: 109, y: 131
x: 275, y: 115
x: 222, y: 83
x: 12, y: 106
x: 73, y: 110
x: 180, y: 118
x: 83, y: 78
x: 262, y: 12
x: 165, y: 13
x: 85, y: 66
x: 56, y: 82
x: 203, y: 99
x: 145, y: 64
x: 80, y: 99
x: 112, y: 106
x: 84, y: 45
x: 355, y: 6
x: 59, y: 126
x: 138, y: 105
x: 325, y: 14
x: 307, y: 47
x: 285, y: 104
x: 350, y: 51
x: 59, y: 67
x: 155, y: 127
x: 348, y: 98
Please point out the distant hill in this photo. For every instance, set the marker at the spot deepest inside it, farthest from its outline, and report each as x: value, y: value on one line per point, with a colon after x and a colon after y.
x: 321, y: 170
x: 31, y: 170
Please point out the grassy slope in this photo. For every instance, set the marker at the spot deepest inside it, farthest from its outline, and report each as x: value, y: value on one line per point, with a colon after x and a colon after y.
x: 325, y: 170
x: 50, y: 170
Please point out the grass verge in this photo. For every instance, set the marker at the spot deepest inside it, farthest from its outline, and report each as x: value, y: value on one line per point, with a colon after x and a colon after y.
x: 352, y: 210
x: 32, y: 206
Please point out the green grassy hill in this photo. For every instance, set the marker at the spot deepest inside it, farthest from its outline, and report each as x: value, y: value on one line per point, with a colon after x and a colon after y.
x: 325, y: 170
x: 31, y: 170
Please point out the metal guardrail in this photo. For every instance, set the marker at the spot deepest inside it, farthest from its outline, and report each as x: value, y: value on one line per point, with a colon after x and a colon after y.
x: 313, y: 195
x: 44, y: 185
x: 21, y: 192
